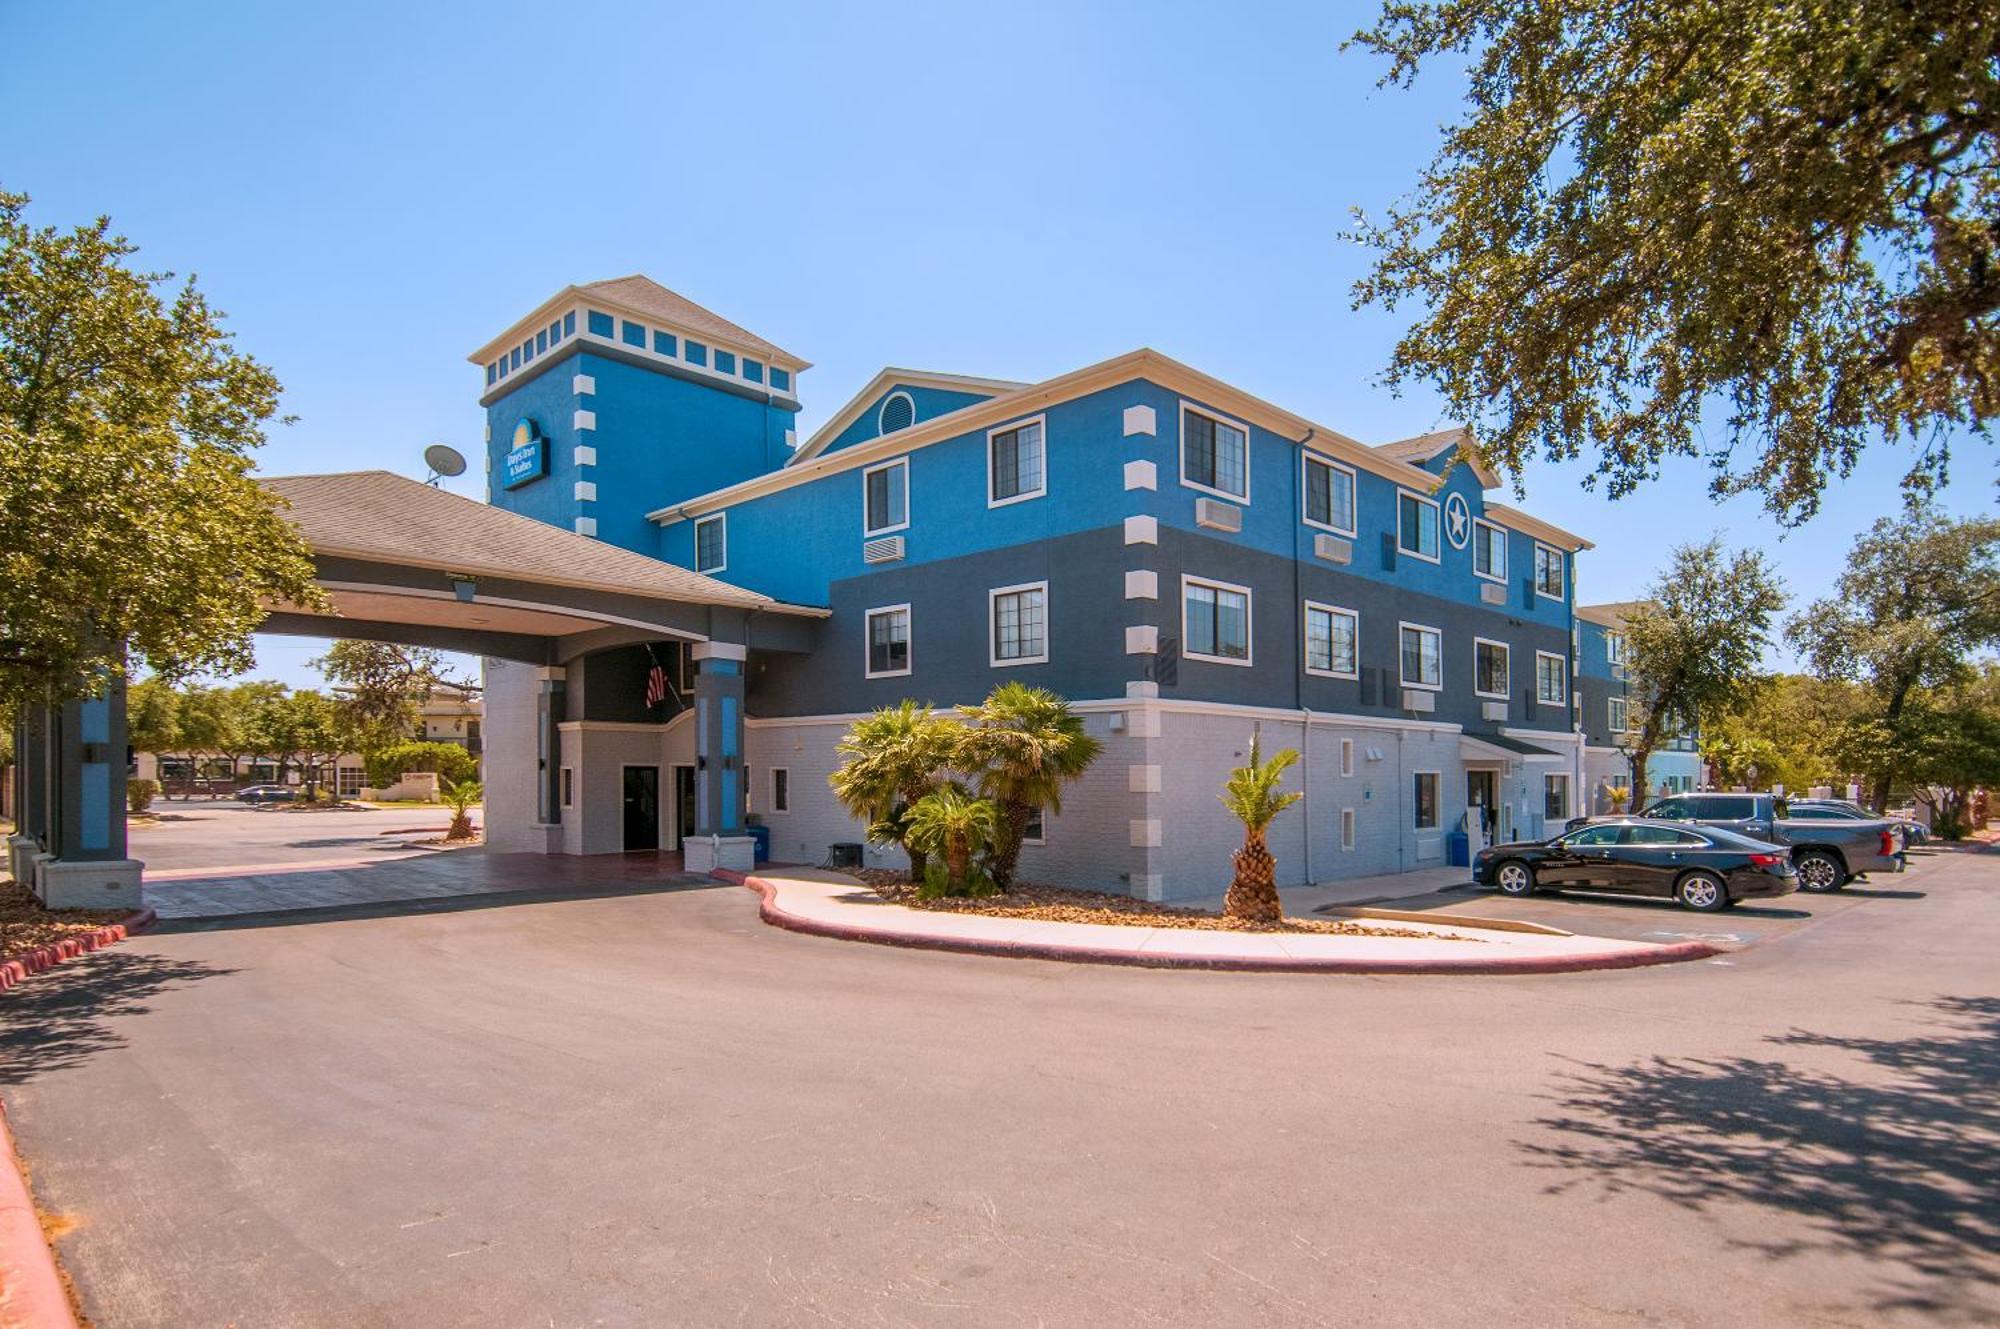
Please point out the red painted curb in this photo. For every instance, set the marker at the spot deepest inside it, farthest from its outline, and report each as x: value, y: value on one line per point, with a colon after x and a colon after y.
x: 1533, y: 964
x: 31, y: 1291
x: 17, y: 967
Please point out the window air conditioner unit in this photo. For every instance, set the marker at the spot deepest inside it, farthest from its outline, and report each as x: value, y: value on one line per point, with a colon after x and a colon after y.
x: 1493, y: 593
x: 1494, y: 710
x: 1217, y: 515
x: 1618, y: 672
x: 1333, y: 549
x: 1416, y: 699
x: 888, y: 549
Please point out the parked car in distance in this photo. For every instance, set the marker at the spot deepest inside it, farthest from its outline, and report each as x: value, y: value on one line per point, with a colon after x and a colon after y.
x: 1828, y: 853
x: 1706, y: 869
x: 1840, y: 809
x: 267, y: 793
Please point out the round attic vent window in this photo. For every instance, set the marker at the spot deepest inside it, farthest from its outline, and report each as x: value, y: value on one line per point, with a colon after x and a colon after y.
x: 898, y: 412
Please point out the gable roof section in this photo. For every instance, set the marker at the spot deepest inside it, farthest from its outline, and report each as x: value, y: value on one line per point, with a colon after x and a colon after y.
x: 882, y: 382
x: 640, y: 295
x: 1425, y: 447
x: 1546, y: 532
x: 383, y: 517
x: 1144, y: 363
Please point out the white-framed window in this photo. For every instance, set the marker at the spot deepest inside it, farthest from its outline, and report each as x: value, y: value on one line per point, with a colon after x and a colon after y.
x: 1555, y: 796
x: 1614, y: 648
x: 1424, y: 800
x: 1417, y: 525
x: 1490, y: 668
x: 1347, y: 828
x: 1333, y: 641
x: 349, y: 780
x: 1329, y: 495
x: 1548, y: 571
x: 781, y: 789
x: 1420, y: 653
x: 1489, y: 550
x: 885, y: 497
x: 888, y: 633
x: 1347, y: 756
x: 1551, y: 679
x: 898, y: 411
x: 1215, y: 621
x: 569, y: 786
x: 1017, y: 620
x: 1017, y: 462
x: 1618, y: 716
x: 711, y: 543
x: 1036, y: 831
x: 1215, y: 454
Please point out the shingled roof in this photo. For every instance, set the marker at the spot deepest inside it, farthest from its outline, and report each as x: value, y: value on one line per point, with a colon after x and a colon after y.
x: 390, y: 518
x: 642, y: 295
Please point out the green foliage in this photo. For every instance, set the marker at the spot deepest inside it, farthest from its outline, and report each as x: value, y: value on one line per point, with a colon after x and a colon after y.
x: 460, y: 796
x: 379, y: 688
x: 1252, y: 793
x: 1782, y: 212
x: 1792, y: 729
x: 131, y: 529
x: 889, y: 760
x: 1023, y: 745
x: 451, y: 761
x: 139, y: 795
x: 301, y: 727
x: 951, y: 822
x: 937, y: 883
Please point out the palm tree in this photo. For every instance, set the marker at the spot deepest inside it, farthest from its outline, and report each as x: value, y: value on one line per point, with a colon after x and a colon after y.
x: 1252, y: 794
x: 952, y: 822
x: 889, y: 761
x: 1025, y: 744
x: 460, y: 795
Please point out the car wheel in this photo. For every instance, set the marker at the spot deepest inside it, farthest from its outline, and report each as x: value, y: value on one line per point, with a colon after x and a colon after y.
x: 1702, y: 892
x: 1820, y: 871
x: 1514, y: 878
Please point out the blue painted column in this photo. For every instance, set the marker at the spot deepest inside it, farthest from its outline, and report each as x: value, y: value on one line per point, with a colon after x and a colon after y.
x: 719, y: 839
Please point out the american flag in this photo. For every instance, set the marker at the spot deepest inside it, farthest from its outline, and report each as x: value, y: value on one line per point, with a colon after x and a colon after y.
x: 656, y: 685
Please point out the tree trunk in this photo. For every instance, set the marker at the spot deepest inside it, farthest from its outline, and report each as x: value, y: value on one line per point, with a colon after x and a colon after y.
x: 1642, y: 757
x: 1885, y: 778
x: 1253, y: 895
x: 957, y: 861
x: 1007, y: 852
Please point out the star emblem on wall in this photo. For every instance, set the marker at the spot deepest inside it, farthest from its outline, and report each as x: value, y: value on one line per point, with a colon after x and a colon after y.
x: 1457, y: 520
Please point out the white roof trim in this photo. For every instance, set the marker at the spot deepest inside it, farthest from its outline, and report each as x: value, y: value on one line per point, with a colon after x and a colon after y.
x: 895, y: 377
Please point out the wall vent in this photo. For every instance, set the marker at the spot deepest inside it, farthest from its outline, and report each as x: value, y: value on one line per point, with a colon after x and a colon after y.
x: 1217, y: 515
x: 1495, y: 711
x: 1493, y: 593
x: 1419, y: 700
x: 1333, y: 549
x: 888, y: 549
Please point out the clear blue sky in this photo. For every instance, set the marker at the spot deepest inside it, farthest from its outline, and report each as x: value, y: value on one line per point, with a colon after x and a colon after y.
x: 371, y: 191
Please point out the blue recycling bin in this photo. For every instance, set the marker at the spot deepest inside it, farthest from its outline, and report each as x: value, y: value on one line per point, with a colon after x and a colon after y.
x: 1458, y: 849
x: 762, y: 835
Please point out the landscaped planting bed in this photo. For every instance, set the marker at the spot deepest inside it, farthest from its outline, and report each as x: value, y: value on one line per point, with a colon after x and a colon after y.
x: 1056, y: 904
x: 26, y: 926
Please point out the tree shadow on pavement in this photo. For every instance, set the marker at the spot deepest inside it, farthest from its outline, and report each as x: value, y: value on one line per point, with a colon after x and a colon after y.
x: 1894, y: 1158
x: 65, y: 1016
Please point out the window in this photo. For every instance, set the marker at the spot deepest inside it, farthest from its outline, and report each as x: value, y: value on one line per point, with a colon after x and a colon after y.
x: 1347, y: 828
x: 725, y: 362
x: 1422, y: 655
x: 1215, y: 622
x: 889, y: 641
x: 1020, y: 624
x: 711, y: 543
x: 1016, y: 467
x: 568, y: 787
x: 1425, y: 800
x: 753, y: 369
x: 1329, y: 496
x: 886, y: 497
x: 1614, y: 647
x: 694, y: 352
x: 514, y: 358
x: 663, y: 342
x: 1036, y: 831
x: 1489, y: 551
x: 1619, y: 719
x: 569, y: 324
x: 541, y: 342
x: 633, y: 335
x: 1347, y: 756
x: 1551, y: 679
x: 781, y: 789
x: 781, y: 379
x: 492, y: 372
x: 1333, y: 641
x: 898, y: 412
x: 1555, y: 797
x: 1489, y: 668
x: 1417, y: 526
x: 1548, y: 571
x: 349, y: 780
x: 1593, y: 837
x: 600, y: 324
x: 1215, y: 454
x: 555, y: 332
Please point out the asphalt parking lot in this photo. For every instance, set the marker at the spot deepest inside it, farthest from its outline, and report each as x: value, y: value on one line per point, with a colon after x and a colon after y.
x: 649, y: 1109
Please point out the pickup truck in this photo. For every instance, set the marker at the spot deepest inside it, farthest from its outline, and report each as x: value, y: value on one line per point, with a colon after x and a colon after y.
x: 1827, y: 854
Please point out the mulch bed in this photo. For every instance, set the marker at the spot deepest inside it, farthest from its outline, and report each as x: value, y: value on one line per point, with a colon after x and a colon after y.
x: 26, y: 926
x: 1057, y: 904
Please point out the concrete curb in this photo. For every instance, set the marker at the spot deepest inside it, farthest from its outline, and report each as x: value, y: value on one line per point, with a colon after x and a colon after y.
x: 17, y: 967
x: 1562, y: 964
x: 31, y: 1291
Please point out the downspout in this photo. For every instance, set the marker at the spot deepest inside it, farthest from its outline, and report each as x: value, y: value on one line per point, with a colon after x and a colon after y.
x: 1299, y: 655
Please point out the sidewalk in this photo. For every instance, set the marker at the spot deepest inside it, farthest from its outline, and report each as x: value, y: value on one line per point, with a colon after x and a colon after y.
x: 829, y: 904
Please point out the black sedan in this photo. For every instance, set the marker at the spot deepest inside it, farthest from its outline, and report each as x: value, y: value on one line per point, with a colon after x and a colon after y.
x: 1702, y: 867
x: 267, y: 793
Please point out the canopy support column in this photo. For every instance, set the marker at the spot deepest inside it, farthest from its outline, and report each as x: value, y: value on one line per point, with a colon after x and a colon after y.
x: 720, y: 840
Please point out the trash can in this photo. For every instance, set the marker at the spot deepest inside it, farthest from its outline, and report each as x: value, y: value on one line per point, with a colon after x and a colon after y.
x: 762, y: 835
x: 1458, y: 850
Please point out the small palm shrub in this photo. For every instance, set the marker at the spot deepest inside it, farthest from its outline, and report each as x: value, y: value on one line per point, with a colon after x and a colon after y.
x: 952, y: 824
x: 1023, y: 745
x: 889, y: 761
x: 459, y: 796
x: 1252, y: 794
x: 139, y: 795
x: 1618, y: 793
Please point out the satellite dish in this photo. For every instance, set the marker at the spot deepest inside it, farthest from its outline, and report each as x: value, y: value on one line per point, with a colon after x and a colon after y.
x: 444, y: 460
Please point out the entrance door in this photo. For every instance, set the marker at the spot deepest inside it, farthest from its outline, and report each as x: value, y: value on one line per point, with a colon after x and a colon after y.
x: 642, y: 807
x: 683, y: 804
x: 1482, y: 791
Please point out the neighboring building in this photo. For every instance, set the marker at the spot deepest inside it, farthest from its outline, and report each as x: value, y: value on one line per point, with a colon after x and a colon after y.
x: 1608, y: 723
x: 1184, y: 561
